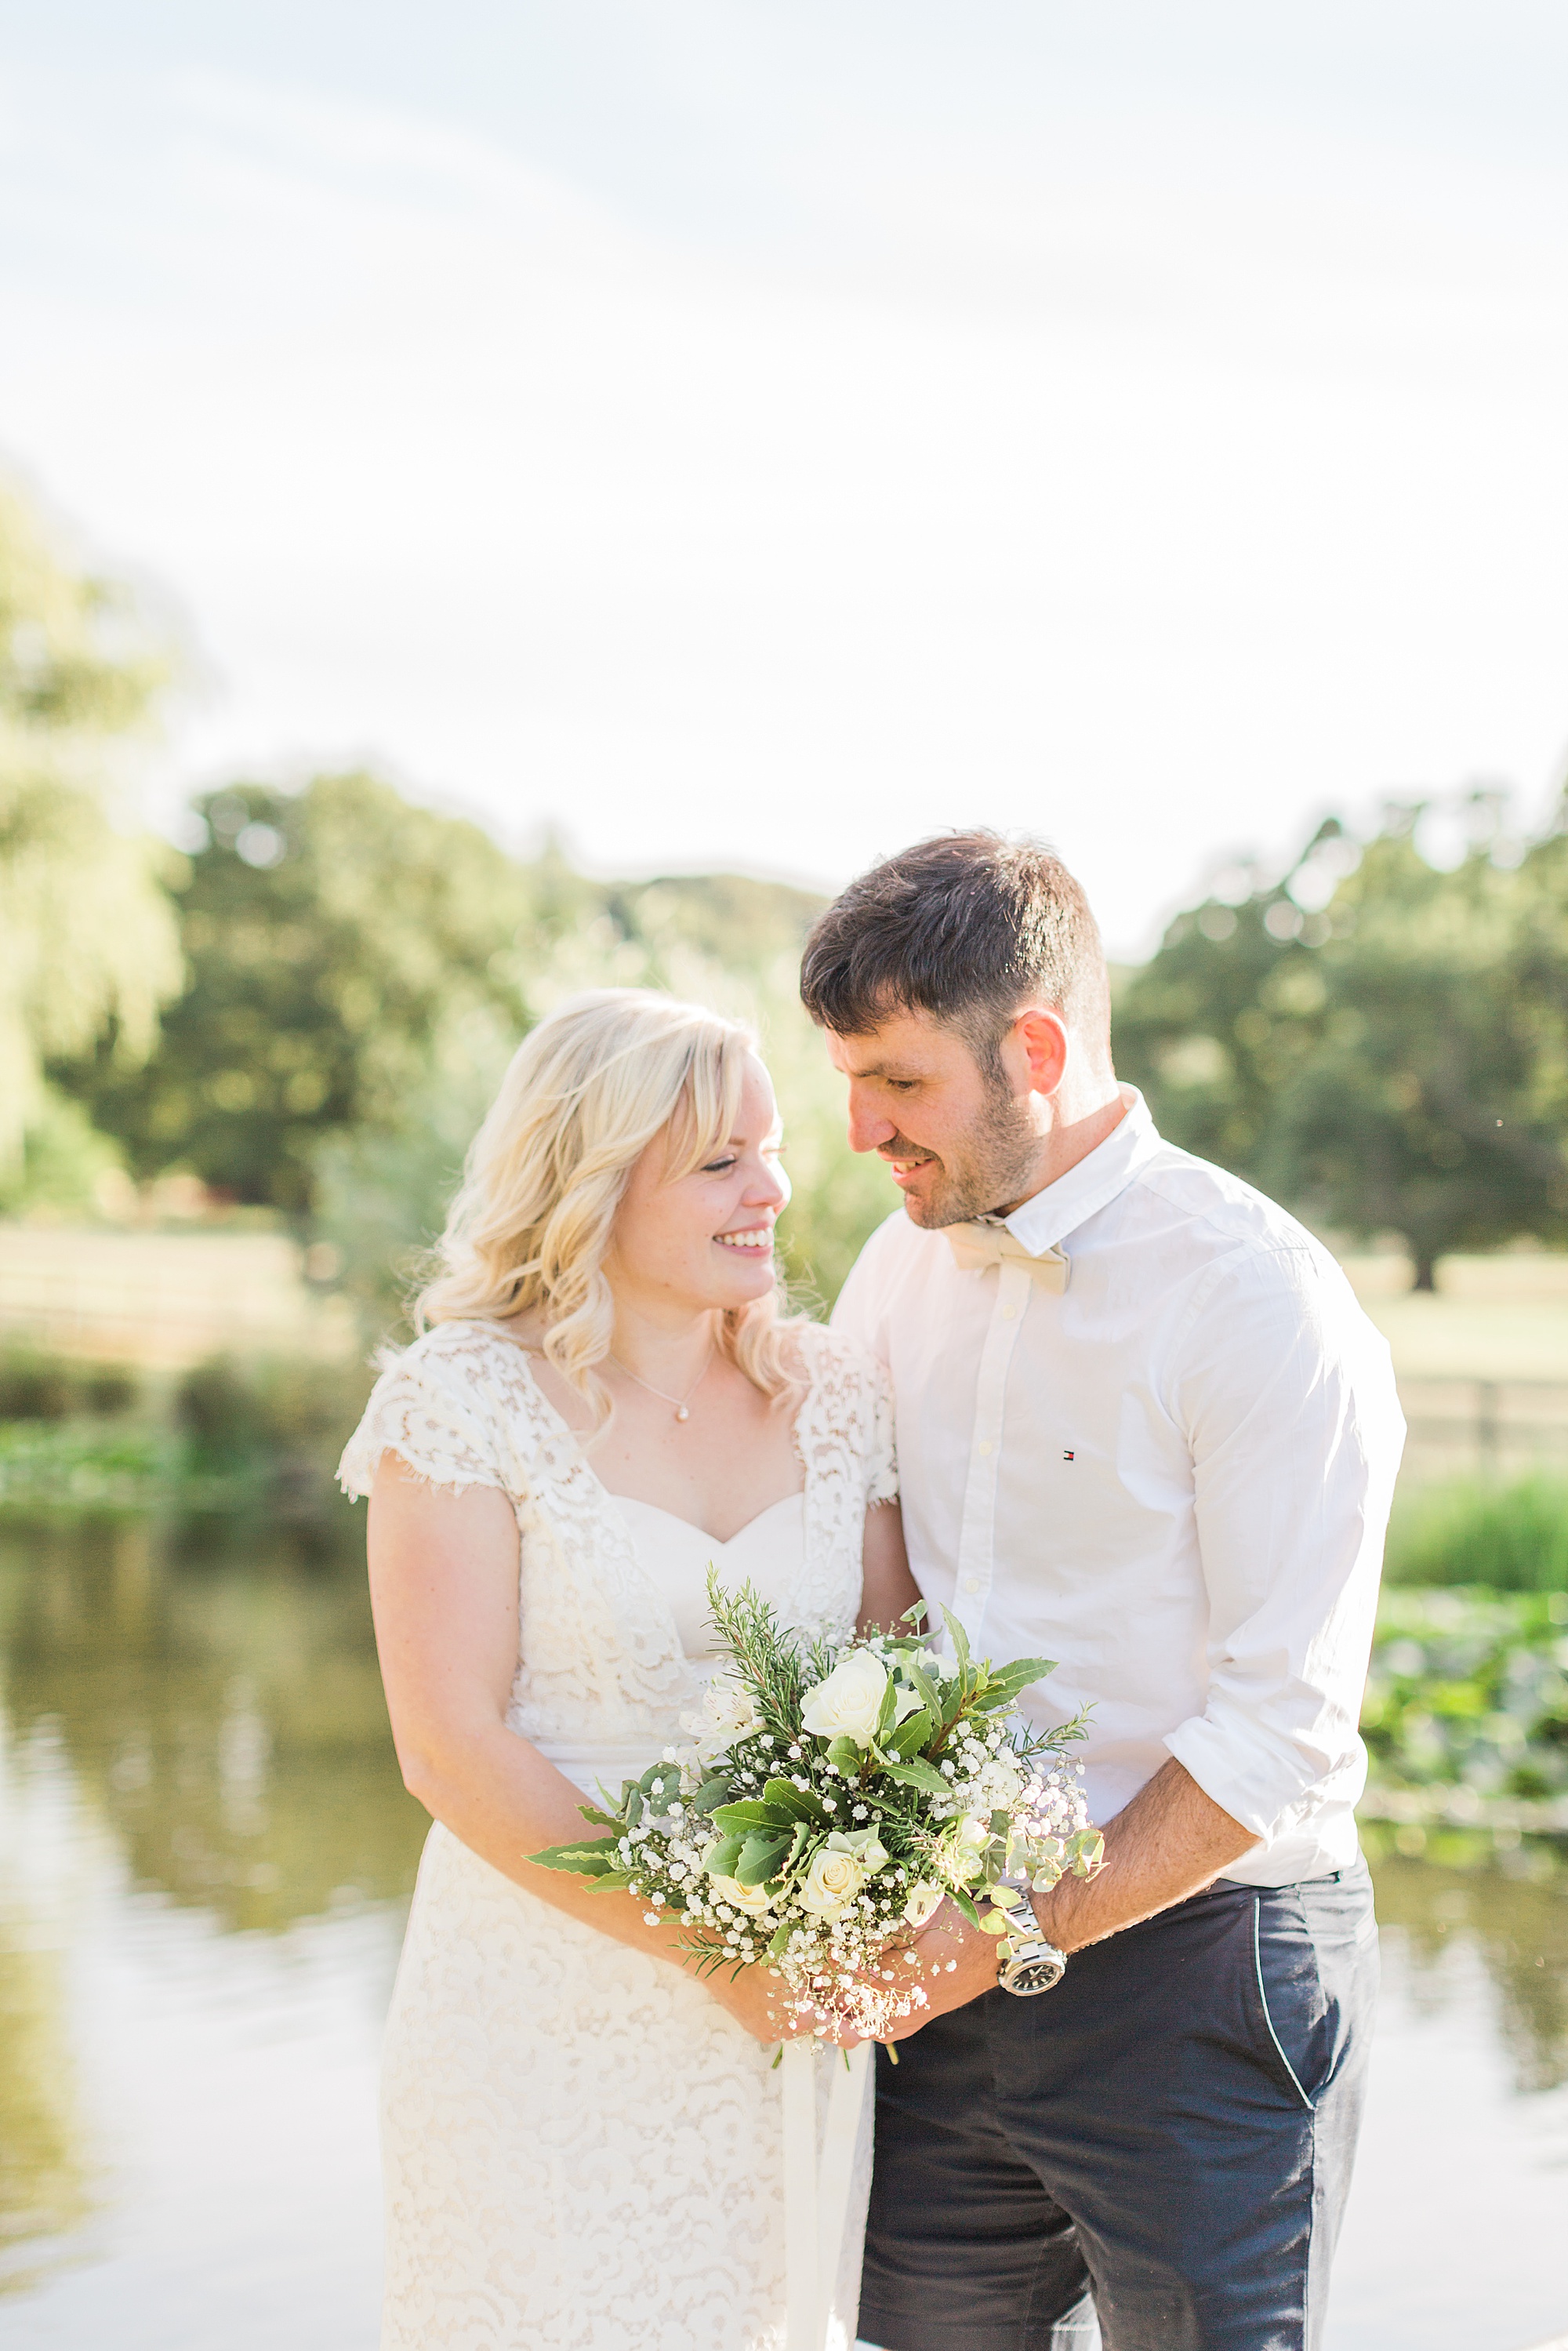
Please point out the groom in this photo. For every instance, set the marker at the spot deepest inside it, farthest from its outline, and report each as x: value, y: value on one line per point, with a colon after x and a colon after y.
x: 1144, y: 1429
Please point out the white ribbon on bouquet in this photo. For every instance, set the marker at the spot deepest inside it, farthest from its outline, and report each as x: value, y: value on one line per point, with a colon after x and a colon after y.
x: 818, y: 2181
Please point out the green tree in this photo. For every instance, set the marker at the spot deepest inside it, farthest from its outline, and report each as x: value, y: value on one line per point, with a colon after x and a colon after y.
x: 1392, y: 1062
x: 88, y: 945
x: 329, y: 936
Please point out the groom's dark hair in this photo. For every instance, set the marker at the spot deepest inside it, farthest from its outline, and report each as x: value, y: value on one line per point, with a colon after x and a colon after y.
x: 965, y: 927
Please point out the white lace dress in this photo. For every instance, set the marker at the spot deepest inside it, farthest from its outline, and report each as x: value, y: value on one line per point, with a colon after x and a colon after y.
x: 582, y: 2148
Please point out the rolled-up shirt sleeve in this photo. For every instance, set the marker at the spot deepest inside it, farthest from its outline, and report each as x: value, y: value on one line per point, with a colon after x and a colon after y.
x: 1286, y: 1393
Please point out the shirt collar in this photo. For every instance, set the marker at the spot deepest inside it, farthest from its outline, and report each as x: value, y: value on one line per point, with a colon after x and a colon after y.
x: 1046, y: 1219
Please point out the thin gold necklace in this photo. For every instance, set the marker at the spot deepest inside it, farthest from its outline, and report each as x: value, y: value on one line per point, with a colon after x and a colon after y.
x: 683, y: 1403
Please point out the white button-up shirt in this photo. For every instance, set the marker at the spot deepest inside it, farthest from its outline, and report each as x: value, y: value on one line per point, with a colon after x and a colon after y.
x: 1173, y: 1478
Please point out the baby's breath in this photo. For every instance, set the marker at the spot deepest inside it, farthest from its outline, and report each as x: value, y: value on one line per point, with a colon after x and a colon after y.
x: 751, y: 1857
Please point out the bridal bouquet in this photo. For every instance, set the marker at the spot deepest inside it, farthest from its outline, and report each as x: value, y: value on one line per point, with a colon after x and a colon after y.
x: 831, y: 1800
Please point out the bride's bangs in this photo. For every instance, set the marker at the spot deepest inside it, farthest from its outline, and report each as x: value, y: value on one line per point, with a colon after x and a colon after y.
x: 703, y: 1119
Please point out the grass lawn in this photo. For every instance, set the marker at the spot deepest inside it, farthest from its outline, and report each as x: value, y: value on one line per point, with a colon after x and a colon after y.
x: 1491, y: 1317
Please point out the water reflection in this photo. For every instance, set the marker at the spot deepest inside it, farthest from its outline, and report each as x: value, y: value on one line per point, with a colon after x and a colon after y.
x: 43, y: 2167
x: 1510, y: 1908
x: 190, y: 1723
x: 217, y: 1699
x: 204, y: 1855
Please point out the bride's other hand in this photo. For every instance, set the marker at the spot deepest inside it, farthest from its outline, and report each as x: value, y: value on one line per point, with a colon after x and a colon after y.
x: 755, y: 1999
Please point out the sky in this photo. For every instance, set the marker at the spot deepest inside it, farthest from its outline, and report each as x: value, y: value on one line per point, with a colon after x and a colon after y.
x: 754, y: 436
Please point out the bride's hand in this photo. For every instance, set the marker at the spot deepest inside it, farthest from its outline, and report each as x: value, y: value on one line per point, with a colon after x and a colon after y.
x: 757, y: 1999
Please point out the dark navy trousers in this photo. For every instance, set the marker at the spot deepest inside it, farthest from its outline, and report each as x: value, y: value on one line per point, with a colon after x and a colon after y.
x: 1174, y: 2125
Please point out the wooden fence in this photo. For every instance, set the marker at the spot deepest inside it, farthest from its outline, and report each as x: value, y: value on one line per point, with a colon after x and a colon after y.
x: 1483, y: 1428
x: 164, y: 1301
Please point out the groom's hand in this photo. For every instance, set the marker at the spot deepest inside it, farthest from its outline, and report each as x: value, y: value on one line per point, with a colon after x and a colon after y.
x: 956, y: 1964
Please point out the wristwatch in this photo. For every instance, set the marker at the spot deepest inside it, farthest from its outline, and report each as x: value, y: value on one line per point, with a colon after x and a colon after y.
x: 1035, y: 1964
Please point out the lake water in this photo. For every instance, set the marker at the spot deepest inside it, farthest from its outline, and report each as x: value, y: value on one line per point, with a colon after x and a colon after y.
x: 205, y: 1853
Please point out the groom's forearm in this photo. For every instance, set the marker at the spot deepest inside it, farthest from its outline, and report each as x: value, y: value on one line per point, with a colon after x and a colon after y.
x: 1171, y: 1841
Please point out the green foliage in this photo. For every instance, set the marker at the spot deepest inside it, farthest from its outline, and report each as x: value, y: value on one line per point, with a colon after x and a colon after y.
x: 359, y: 972
x: 64, y: 1162
x: 270, y: 1431
x: 380, y: 1193
x: 1512, y: 1537
x: 1395, y: 1061
x: 1470, y: 1685
x: 86, y: 937
x: 329, y: 936
x: 260, y: 1435
x: 120, y: 1464
x: 34, y: 1386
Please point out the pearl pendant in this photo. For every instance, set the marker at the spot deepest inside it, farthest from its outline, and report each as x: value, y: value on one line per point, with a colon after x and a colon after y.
x: 680, y: 1413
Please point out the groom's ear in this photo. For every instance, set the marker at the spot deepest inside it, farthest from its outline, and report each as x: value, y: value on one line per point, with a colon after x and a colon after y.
x: 1034, y: 1049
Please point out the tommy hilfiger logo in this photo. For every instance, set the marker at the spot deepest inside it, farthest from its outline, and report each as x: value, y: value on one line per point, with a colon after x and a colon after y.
x: 1067, y: 1453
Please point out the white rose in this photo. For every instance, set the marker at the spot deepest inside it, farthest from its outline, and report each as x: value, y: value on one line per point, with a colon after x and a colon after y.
x: 832, y: 1881
x: 923, y: 1902
x: 847, y: 1705
x: 752, y: 1899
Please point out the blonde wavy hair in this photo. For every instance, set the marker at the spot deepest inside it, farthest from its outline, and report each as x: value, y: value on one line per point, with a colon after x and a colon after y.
x: 584, y: 1095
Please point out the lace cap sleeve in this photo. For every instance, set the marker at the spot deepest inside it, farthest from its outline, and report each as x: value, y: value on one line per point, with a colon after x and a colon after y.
x: 428, y: 1408
x: 849, y: 1418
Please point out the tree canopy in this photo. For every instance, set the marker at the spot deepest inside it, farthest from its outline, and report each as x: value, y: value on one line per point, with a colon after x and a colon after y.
x: 1395, y: 1060
x: 329, y: 934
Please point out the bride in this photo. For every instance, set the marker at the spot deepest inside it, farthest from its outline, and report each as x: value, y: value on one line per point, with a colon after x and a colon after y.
x: 581, y: 2137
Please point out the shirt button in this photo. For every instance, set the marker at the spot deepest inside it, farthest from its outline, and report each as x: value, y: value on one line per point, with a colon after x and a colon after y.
x: 1007, y: 1313
x: 986, y: 1446
x: 971, y: 1583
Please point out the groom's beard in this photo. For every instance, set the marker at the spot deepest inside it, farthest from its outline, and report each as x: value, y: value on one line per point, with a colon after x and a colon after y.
x: 991, y: 1168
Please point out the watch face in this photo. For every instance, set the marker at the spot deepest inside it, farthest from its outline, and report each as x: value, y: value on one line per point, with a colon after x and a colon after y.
x: 1036, y: 1972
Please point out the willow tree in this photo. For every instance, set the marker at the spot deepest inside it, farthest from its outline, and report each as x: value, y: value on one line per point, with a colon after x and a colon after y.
x: 89, y: 943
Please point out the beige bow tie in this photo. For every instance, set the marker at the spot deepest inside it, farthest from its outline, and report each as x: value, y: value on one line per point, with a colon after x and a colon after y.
x: 975, y: 1247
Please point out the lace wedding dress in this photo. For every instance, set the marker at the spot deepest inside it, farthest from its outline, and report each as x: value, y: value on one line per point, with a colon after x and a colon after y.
x: 582, y: 2149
